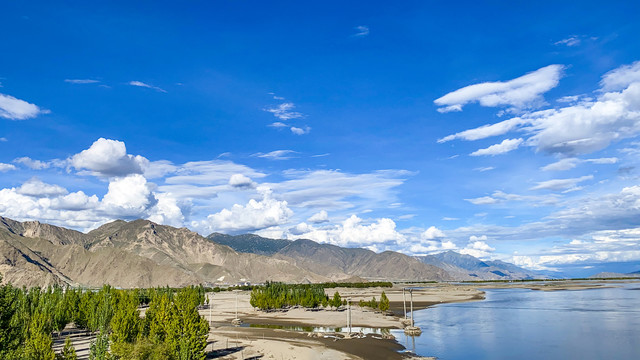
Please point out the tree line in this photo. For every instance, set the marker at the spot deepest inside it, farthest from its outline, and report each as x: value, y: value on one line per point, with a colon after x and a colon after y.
x: 171, y: 328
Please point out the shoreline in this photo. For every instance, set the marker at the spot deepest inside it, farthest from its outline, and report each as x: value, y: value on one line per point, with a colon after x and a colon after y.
x: 253, y: 342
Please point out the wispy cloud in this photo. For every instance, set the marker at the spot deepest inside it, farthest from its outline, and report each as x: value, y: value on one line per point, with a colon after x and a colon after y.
x: 561, y: 184
x: 141, y: 84
x: 284, y: 111
x: 519, y: 93
x: 277, y: 155
x: 16, y: 109
x: 361, y: 31
x: 573, y: 40
x: 504, y: 147
x: 81, y: 81
x: 573, y: 129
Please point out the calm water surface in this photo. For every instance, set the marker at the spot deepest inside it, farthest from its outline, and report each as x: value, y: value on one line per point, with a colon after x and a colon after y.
x: 527, y: 324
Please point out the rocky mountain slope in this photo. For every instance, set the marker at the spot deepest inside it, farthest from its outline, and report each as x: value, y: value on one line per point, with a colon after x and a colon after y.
x: 131, y: 254
x: 141, y: 253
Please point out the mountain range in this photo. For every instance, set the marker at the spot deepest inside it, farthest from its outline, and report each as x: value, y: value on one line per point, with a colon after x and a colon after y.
x: 141, y: 253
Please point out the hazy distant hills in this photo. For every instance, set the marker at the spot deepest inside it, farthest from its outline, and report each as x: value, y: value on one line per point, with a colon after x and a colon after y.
x: 608, y: 275
x: 141, y: 253
x: 467, y: 267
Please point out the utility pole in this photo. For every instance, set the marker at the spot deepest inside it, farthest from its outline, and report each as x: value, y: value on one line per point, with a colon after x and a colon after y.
x: 210, y: 305
x: 349, y: 315
x: 404, y: 303
x: 411, y: 295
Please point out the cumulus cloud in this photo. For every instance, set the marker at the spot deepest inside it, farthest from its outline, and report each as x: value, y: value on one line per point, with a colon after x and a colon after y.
x: 108, y: 158
x: 300, y: 131
x: 319, y: 217
x: 505, y: 146
x: 32, y: 164
x: 478, y: 247
x: 6, y: 167
x: 561, y: 184
x: 432, y: 233
x: 255, y: 215
x: 16, y: 109
x: 520, y: 93
x: 276, y: 155
x: 580, y: 128
x: 144, y: 85
x: 353, y: 231
x: 129, y: 196
x: 35, y: 187
x: 241, y: 181
x: 285, y: 111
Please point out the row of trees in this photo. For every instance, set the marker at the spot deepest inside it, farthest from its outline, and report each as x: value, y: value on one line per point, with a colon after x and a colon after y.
x: 275, y: 295
x: 383, y: 305
x: 171, y: 329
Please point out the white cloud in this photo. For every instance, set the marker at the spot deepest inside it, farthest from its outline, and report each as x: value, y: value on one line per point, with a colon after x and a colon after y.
x: 129, y: 196
x: 284, y: 111
x: 353, y: 231
x: 485, y: 131
x: 334, y: 190
x: 255, y: 215
x: 579, y: 128
x: 483, y: 169
x: 570, y: 163
x: 520, y: 93
x: 319, y: 217
x: 276, y: 155
x: 81, y: 81
x: 75, y: 201
x: 621, y: 77
x: 572, y: 40
x: 278, y: 124
x: 213, y: 172
x: 241, y: 181
x: 361, y: 31
x: 432, y: 233
x: 485, y: 200
x: 6, y: 167
x: 562, y: 165
x: 109, y: 158
x: 561, y: 184
x: 505, y: 146
x: 300, y: 131
x: 3, y: 139
x: 16, y: 109
x: 32, y: 164
x: 141, y: 84
x: 35, y: 187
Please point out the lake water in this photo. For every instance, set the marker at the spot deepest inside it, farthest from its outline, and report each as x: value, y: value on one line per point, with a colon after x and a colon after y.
x: 527, y: 324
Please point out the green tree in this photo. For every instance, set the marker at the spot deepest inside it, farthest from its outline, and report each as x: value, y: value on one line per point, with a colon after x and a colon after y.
x: 10, y: 331
x: 188, y: 331
x: 68, y: 351
x: 384, y: 302
x: 336, y: 301
x: 39, y: 344
x: 99, y: 349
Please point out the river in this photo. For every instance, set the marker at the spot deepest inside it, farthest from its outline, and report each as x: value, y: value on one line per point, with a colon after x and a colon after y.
x: 528, y: 324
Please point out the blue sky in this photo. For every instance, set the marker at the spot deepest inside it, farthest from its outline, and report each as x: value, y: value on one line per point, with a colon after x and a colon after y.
x: 501, y: 130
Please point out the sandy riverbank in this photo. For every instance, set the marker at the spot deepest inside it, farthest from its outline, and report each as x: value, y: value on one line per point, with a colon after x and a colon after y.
x: 254, y: 342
